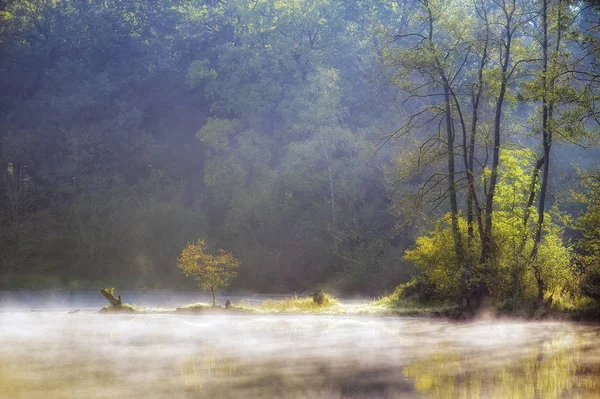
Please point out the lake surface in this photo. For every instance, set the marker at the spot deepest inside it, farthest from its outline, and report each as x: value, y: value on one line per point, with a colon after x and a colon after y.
x: 58, y: 300
x: 55, y: 354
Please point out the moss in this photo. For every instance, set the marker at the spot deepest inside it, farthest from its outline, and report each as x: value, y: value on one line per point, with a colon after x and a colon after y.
x: 124, y: 308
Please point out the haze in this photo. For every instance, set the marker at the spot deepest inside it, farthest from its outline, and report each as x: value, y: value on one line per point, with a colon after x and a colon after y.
x: 299, y: 198
x: 58, y: 355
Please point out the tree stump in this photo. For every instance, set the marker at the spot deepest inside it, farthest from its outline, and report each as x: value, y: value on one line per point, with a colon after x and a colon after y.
x: 319, y: 296
x: 109, y: 294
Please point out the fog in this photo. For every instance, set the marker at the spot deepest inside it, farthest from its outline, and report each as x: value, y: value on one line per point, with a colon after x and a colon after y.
x: 57, y: 300
x: 438, y: 154
x: 296, y: 135
x: 55, y: 354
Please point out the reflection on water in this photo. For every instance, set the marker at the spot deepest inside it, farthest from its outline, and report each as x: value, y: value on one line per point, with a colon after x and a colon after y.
x: 550, y: 369
x: 87, y: 355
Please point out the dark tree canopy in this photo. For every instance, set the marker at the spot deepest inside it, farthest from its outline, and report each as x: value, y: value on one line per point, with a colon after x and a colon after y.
x: 316, y: 140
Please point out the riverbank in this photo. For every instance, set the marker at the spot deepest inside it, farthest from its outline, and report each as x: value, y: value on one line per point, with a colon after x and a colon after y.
x: 169, y: 302
x: 302, y: 305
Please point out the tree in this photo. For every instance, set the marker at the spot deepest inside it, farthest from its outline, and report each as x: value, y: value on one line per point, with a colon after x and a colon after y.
x: 430, y: 60
x: 437, y: 263
x: 211, y: 271
x: 485, y: 63
x: 125, y: 122
x: 587, y: 246
x: 563, y: 101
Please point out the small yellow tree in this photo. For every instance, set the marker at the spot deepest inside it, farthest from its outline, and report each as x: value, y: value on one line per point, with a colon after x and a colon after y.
x: 210, y: 271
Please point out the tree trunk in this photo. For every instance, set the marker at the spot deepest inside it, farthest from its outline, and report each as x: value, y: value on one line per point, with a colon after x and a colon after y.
x: 471, y: 198
x: 486, y: 244
x: 473, y: 207
x: 519, y: 272
x: 532, y: 191
x: 547, y: 115
x: 108, y: 294
x: 332, y: 194
x: 451, y: 176
x: 212, y: 289
x: 475, y: 119
x: 450, y: 136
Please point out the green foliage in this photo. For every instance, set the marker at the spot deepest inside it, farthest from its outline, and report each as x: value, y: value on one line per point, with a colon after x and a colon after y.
x: 198, y: 74
x: 31, y: 281
x: 590, y: 285
x: 435, y: 258
x: 587, y: 257
x: 511, y: 274
x: 128, y: 128
x: 418, y: 290
x: 99, y: 103
x: 589, y: 222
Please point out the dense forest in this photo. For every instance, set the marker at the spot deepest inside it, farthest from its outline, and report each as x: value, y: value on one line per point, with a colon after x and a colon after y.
x: 355, y: 144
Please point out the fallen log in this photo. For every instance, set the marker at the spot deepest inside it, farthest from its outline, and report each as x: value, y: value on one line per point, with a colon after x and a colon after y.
x: 109, y: 294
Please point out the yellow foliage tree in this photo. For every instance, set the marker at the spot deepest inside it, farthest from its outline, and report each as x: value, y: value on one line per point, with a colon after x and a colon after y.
x: 510, y: 277
x: 210, y: 271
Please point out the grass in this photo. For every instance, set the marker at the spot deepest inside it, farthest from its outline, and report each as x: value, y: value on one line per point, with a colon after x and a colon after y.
x: 295, y: 304
x: 398, y: 304
x: 306, y: 305
x: 199, y: 307
x: 292, y: 304
x: 331, y: 305
x: 393, y: 304
x: 408, y: 307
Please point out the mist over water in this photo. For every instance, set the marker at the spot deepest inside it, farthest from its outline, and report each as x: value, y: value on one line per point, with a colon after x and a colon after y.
x: 318, y: 147
x: 54, y: 354
x: 56, y: 300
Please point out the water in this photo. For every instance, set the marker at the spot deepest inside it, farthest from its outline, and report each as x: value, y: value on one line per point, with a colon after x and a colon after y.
x: 56, y: 300
x: 55, y: 354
